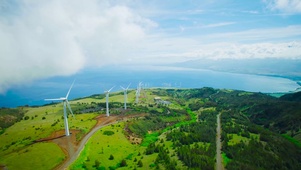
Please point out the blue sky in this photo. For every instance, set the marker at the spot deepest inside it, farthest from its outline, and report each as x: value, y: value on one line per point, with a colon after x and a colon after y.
x: 41, y: 39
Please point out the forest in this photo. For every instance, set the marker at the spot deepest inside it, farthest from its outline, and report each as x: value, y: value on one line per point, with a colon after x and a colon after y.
x: 255, y: 129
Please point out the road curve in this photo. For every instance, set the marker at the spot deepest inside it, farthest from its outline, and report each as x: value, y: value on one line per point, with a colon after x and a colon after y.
x: 219, y: 164
x: 83, y: 142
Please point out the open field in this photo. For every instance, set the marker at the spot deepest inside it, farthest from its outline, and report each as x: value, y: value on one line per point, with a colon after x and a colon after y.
x: 16, y: 141
x: 42, y: 156
x: 42, y: 122
x: 100, y: 147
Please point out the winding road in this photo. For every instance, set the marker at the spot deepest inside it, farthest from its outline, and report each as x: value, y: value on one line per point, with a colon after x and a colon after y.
x: 219, y: 164
x: 83, y: 142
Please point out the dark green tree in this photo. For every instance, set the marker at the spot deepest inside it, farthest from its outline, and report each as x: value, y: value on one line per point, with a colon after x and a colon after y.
x: 140, y: 164
x: 123, y: 163
x: 97, y: 163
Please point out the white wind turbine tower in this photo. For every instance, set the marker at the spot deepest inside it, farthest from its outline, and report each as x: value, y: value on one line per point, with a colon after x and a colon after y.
x: 107, y: 100
x: 137, y: 97
x: 138, y: 92
x: 143, y: 87
x: 65, y: 103
x: 125, y: 95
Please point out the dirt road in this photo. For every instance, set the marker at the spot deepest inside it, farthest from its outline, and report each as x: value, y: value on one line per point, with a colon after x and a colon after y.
x: 219, y: 164
x: 108, y: 121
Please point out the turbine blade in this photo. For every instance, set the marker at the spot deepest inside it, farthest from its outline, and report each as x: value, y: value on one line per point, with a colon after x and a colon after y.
x: 53, y: 99
x: 69, y: 90
x: 122, y: 87
x: 128, y: 86
x: 111, y: 89
x: 69, y: 107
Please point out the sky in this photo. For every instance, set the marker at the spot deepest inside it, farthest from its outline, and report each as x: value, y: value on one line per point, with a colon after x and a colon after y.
x: 42, y: 39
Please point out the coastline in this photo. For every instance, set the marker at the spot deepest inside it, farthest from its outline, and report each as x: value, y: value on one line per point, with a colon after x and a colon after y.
x: 188, y: 78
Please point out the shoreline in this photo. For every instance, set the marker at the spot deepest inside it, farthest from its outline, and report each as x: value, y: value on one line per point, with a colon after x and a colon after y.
x: 15, y: 99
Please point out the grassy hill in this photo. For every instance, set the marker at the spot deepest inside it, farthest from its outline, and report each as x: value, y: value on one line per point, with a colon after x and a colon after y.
x: 258, y: 132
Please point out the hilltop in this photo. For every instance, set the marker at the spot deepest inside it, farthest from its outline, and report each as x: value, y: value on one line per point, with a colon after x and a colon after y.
x: 177, y: 131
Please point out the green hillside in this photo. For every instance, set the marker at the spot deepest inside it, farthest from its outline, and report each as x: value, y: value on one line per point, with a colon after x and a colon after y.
x: 178, y: 132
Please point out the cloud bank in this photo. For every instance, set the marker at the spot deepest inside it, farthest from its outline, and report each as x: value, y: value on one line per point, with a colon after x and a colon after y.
x: 40, y: 39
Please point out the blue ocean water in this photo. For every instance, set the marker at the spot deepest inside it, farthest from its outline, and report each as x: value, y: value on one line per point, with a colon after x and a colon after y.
x: 96, y: 81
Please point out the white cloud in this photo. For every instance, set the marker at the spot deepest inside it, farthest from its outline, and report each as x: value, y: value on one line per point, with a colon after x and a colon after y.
x: 255, y: 43
x: 40, y: 39
x: 258, y: 35
x: 218, y: 24
x: 290, y: 50
x: 289, y: 6
x: 258, y: 50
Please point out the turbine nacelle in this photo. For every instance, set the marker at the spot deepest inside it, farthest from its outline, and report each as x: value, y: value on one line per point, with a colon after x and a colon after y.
x: 125, y: 89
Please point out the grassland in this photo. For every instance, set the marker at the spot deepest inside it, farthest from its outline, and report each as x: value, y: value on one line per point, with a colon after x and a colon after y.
x: 100, y: 147
x: 36, y: 156
x: 236, y: 138
x: 42, y: 122
x: 17, y: 142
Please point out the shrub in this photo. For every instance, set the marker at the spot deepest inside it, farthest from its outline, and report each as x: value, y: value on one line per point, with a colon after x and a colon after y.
x: 123, y: 163
x: 140, y: 164
x: 97, y: 163
x: 108, y: 133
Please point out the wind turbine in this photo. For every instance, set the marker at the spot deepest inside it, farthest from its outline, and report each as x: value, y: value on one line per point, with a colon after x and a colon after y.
x: 65, y: 103
x: 138, y: 92
x: 125, y: 95
x: 107, y: 100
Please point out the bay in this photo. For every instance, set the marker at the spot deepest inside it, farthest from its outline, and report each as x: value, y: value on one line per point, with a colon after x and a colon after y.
x: 96, y: 81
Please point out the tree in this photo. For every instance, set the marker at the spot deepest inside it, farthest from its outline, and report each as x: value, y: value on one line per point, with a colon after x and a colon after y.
x: 140, y: 164
x: 123, y: 163
x: 97, y: 163
x: 111, y: 157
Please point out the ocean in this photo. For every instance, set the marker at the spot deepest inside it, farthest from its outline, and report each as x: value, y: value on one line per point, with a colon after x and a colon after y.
x: 96, y: 81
